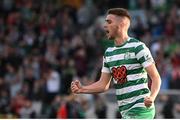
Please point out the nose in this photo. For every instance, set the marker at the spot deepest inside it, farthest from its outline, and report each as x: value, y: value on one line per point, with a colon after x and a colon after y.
x: 105, y: 26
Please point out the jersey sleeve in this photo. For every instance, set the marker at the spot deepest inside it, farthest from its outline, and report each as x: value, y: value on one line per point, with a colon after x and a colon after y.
x: 143, y: 55
x: 105, y: 67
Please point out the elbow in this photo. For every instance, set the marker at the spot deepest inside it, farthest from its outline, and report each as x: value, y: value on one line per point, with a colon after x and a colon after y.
x: 103, y: 89
x: 160, y: 82
x: 106, y: 88
x: 159, y: 79
x: 156, y: 81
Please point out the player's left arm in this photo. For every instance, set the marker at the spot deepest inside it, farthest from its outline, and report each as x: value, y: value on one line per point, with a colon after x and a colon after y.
x: 155, y: 86
x: 145, y: 58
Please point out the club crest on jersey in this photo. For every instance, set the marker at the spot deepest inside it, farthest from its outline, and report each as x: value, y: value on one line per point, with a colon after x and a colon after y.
x: 119, y: 74
x: 127, y: 56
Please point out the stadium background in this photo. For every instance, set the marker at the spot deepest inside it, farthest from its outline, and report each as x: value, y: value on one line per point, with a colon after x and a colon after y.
x: 45, y: 44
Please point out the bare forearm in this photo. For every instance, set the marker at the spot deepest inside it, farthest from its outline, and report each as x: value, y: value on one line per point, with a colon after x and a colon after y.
x: 100, y: 86
x: 96, y: 87
x: 156, y: 80
x: 155, y: 87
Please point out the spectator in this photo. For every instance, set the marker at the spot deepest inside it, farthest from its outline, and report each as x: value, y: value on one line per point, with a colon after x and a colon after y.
x: 100, y: 107
x: 168, y: 108
x: 53, y: 83
x: 27, y: 111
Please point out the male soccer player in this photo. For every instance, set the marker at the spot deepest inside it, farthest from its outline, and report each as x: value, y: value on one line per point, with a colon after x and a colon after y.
x: 128, y: 62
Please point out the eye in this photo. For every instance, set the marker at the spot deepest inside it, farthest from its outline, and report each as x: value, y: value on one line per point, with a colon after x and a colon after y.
x: 109, y: 21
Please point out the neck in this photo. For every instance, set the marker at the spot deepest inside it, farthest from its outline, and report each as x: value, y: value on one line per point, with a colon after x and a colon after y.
x: 119, y: 40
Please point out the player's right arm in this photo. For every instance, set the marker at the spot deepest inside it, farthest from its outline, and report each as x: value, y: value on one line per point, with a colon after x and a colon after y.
x: 100, y: 86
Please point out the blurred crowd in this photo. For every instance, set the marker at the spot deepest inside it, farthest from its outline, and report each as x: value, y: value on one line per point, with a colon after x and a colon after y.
x: 45, y: 44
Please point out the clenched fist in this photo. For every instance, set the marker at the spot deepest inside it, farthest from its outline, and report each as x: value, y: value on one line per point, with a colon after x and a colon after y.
x: 76, y: 86
x: 148, y: 101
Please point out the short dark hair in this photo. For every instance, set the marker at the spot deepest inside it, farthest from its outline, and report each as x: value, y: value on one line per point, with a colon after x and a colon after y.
x: 119, y: 12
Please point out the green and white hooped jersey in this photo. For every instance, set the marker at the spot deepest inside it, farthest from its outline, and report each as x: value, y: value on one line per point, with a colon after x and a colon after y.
x: 126, y: 63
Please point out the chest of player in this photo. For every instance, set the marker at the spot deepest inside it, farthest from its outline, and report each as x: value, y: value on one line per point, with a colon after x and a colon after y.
x: 119, y: 58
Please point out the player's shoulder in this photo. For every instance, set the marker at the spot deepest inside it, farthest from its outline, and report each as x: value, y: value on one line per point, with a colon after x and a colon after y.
x: 135, y: 42
x: 109, y: 49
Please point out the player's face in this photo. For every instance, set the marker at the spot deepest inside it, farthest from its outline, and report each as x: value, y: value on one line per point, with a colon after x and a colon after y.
x: 111, y: 27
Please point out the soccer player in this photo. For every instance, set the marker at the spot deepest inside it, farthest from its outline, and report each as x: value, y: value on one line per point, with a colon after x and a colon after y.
x: 128, y: 62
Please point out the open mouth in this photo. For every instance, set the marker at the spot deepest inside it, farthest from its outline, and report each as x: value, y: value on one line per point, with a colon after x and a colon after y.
x: 107, y: 31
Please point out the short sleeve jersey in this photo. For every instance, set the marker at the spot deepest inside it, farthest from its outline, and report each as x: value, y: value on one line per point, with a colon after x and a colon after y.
x: 126, y: 64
